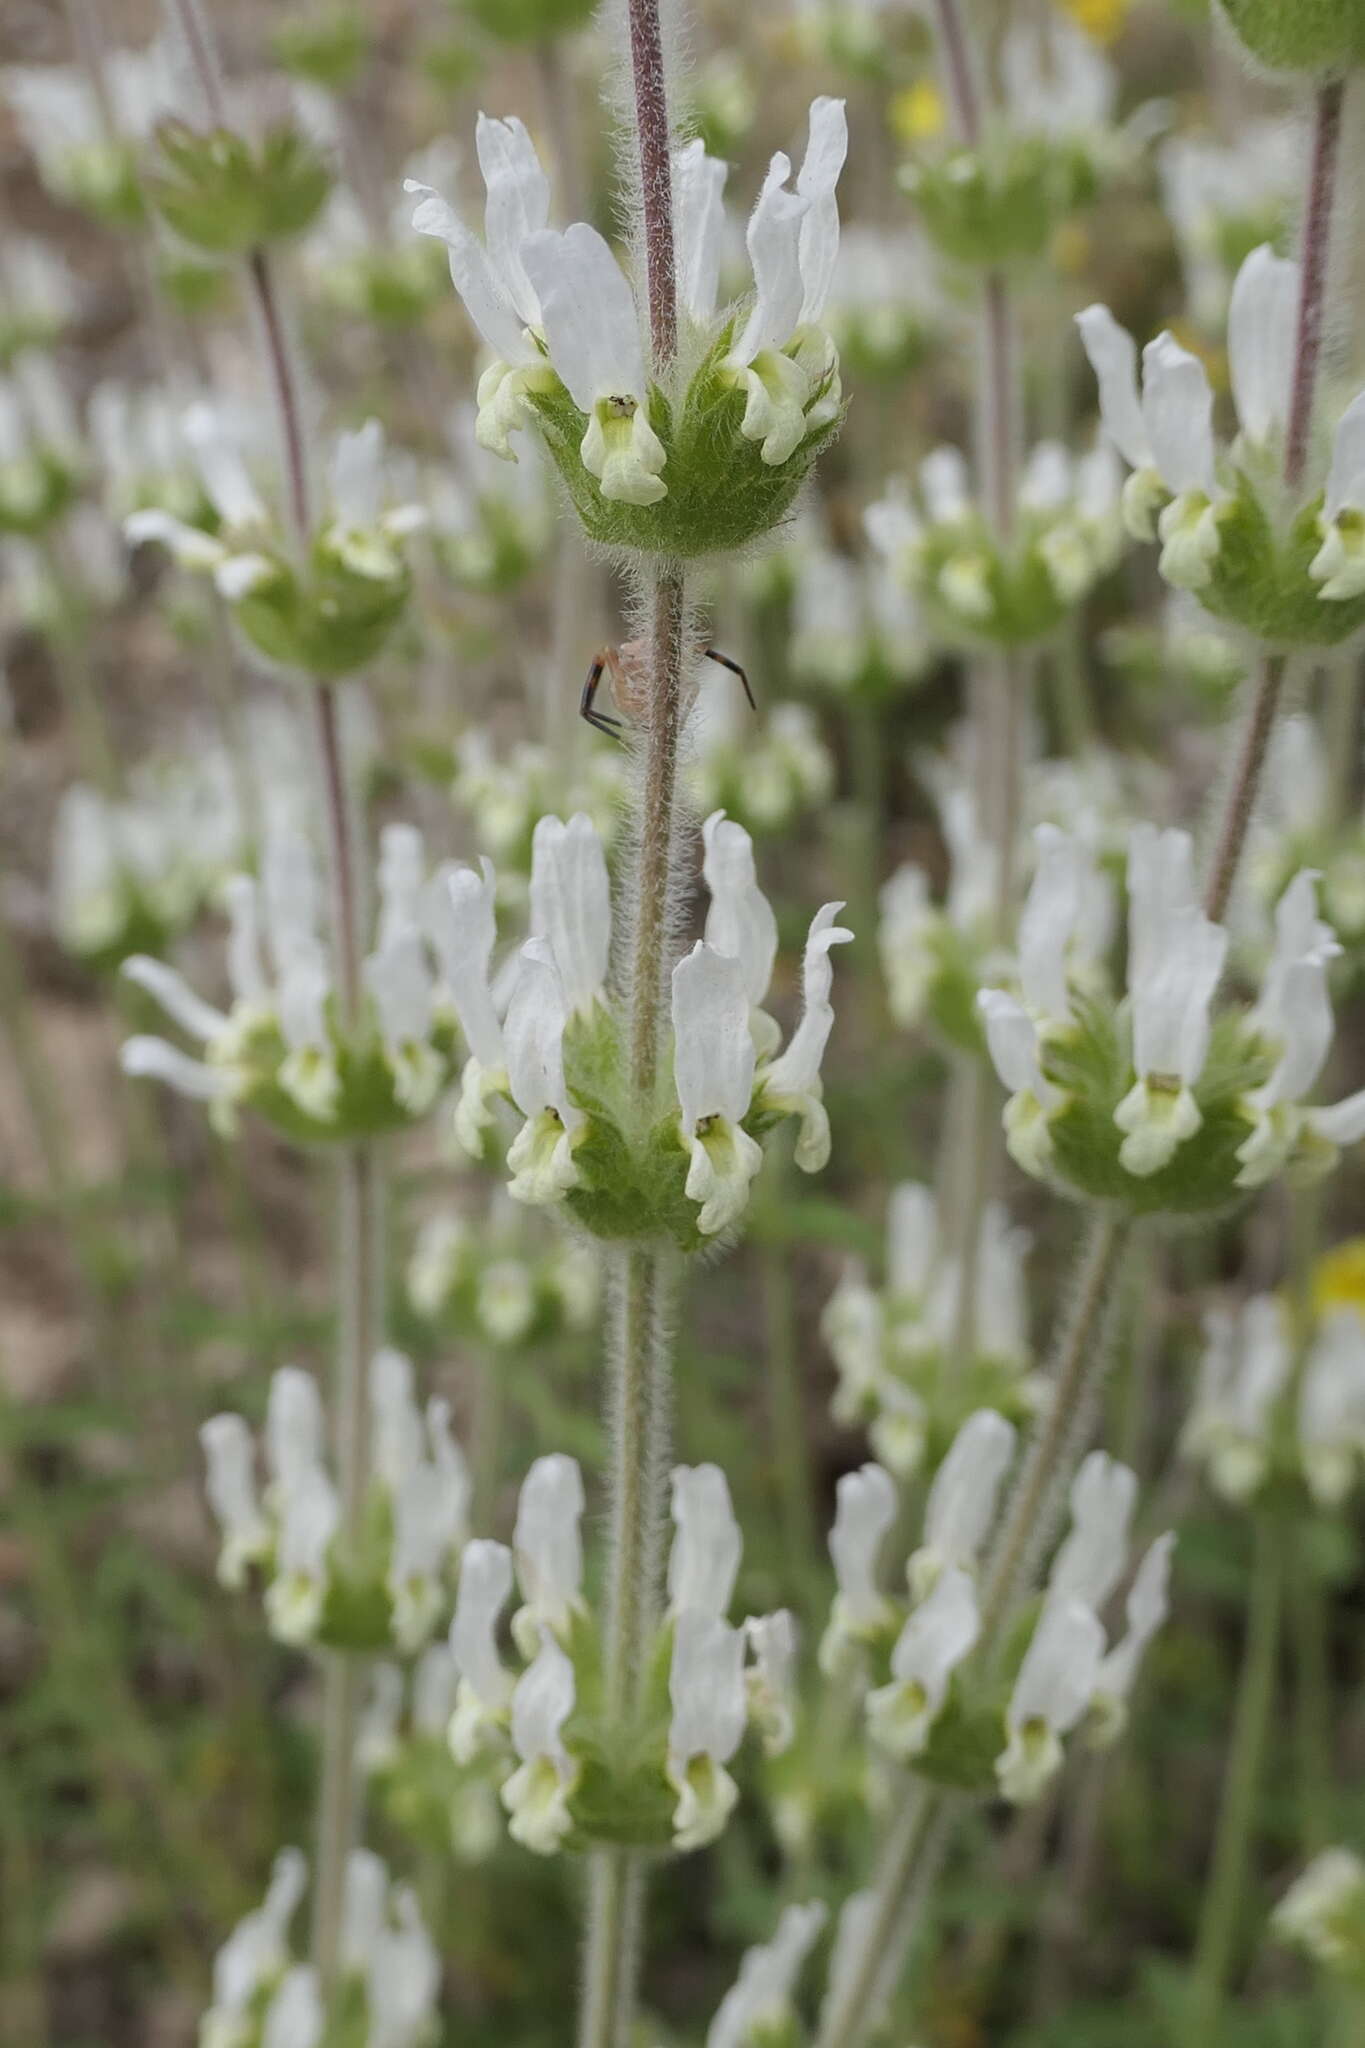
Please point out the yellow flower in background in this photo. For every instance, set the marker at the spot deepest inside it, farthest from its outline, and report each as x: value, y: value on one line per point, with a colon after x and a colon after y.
x: 1339, y: 1278
x: 917, y: 113
x: 1101, y: 19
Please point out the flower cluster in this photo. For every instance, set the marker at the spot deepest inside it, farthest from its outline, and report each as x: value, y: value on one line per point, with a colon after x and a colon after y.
x: 394, y: 1588
x: 489, y: 1280
x: 282, y: 1048
x: 899, y: 1373
x: 388, y: 1977
x: 1256, y: 1421
x: 682, y: 472
x: 962, y: 1720
x: 327, y: 615
x: 402, y: 1748
x: 504, y: 795
x: 855, y: 630
x: 1323, y: 1913
x: 66, y: 130
x: 1287, y: 564
x: 973, y: 585
x: 769, y: 777
x: 680, y: 1165
x: 1156, y: 1101
x: 571, y: 1769
x: 934, y: 954
x: 758, y: 2008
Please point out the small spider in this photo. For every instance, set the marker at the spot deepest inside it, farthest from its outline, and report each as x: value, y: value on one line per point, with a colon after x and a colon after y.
x: 629, y: 683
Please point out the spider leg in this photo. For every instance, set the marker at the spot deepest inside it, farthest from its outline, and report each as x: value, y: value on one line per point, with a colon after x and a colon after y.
x: 724, y: 661
x: 587, y: 711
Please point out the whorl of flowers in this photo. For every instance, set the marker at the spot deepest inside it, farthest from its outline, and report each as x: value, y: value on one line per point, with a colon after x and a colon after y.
x: 930, y: 1704
x: 395, y: 1588
x: 682, y: 470
x: 1323, y: 1913
x: 491, y: 1278
x: 1289, y: 565
x: 568, y: 1770
x: 1164, y: 1098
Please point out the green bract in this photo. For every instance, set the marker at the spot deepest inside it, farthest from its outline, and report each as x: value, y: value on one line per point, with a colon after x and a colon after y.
x: 1002, y: 204
x: 721, y: 494
x: 1300, y: 35
x: 348, y: 1092
x: 222, y: 193
x: 1260, y: 577
x: 327, y: 621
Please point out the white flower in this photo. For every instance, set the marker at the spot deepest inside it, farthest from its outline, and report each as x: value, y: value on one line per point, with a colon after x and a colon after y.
x: 1176, y: 957
x: 400, y: 984
x: 404, y: 1977
x: 435, y: 1680
x: 484, y: 1686
x: 1245, y: 1367
x: 361, y: 531
x: 713, y: 1070
x: 788, y: 369
x: 537, y: 1794
x: 1065, y: 925
x: 790, y: 1084
x: 1147, y: 1607
x: 376, y: 1742
x: 1055, y: 1684
x: 699, y: 210
x: 939, y: 1633
x: 231, y: 1490
x: 759, y: 2003
x: 706, y: 1689
x: 909, y: 923
x: 1323, y: 1912
x: 294, y: 1431
x: 1332, y: 1405
x: 704, y: 1560
x: 310, y: 1515
x: 491, y: 277
x: 296, y: 2015
x: 1339, y: 566
x: 548, y: 1547
x: 771, y: 1678
x: 460, y: 918
x: 1016, y: 1054
x: 1090, y: 1562
x: 571, y: 905
x: 1294, y: 1014
x: 864, y: 1510
x: 541, y: 1155
x: 961, y: 1507
x: 592, y: 333
x: 255, y: 1954
x: 740, y: 922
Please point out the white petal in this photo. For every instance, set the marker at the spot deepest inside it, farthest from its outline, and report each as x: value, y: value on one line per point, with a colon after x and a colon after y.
x: 1057, y: 1677
x: 960, y: 1510
x: 798, y: 1070
x: 547, y: 1542
x: 1012, y: 1040
x: 1114, y: 358
x: 176, y: 997
x: 152, y: 1059
x: 865, y: 1508
x: 713, y: 1050
x: 1090, y: 1562
x: 357, y: 478
x: 706, y: 1688
x: 518, y: 204
x: 397, y: 1433
x: 773, y: 238
x: 484, y: 1588
x: 698, y: 188
x: 740, y: 922
x: 1346, y: 482
x: 592, y: 327
x: 911, y: 1238
x: 571, y: 904
x: 533, y: 1036
x: 543, y: 1701
x: 704, y: 1560
x: 245, y: 971
x: 460, y: 918
x: 1343, y: 1123
x: 296, y: 2014
x: 294, y: 1427
x: 486, y: 298
x: 1262, y: 328
x: 222, y: 468
x: 826, y: 150
x: 1177, y: 410
x: 1148, y: 1606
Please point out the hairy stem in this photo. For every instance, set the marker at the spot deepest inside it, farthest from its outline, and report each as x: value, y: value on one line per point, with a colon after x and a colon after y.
x: 1315, y: 259
x: 667, y: 640
x: 1217, y: 1938
x: 1240, y: 803
x: 649, y: 77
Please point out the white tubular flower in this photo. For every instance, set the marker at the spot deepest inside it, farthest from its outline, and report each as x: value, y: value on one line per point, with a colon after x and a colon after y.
x: 791, y: 1083
x: 909, y: 923
x: 419, y: 1551
x: 704, y: 1561
x: 376, y: 1742
x: 364, y: 1908
x: 1147, y: 1607
x: 1090, y: 1562
x: 1176, y: 958
x: 490, y: 276
x: 308, y: 1073
x: 1065, y: 924
x: 770, y: 1681
x: 864, y: 1510
x: 713, y: 1072
x: 962, y: 1502
x: 404, y: 1978
x: 1294, y: 1013
x: 939, y: 1633
x: 1055, y: 1685
x: 571, y: 905
x: 296, y: 2015
x: 310, y: 1515
x: 911, y: 1241
x: 1332, y: 1406
x: 541, y: 1155
x: 699, y: 207
x: 399, y: 982
x: 255, y: 1954
x: 235, y: 564
x: 231, y: 1489
x: 706, y: 1688
x: 484, y: 1686
x: 592, y: 333
x: 1339, y: 566
x: 1016, y: 1054
x: 548, y: 1546
x: 740, y: 922
x: 759, y: 2002
x: 434, y: 1683
x: 537, y: 1794
x: 151, y: 1059
x: 854, y: 1327
x: 1244, y: 1370
x: 1323, y: 1912
x: 397, y: 1420
x: 460, y: 920
x: 295, y: 1431
x: 155, y: 1059
x: 1262, y: 326
x: 790, y: 374
x: 363, y: 530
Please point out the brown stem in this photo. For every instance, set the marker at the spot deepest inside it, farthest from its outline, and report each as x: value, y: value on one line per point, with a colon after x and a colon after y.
x: 656, y: 175
x: 284, y: 385
x: 658, y: 804
x: 1246, y: 777
x: 1317, y: 249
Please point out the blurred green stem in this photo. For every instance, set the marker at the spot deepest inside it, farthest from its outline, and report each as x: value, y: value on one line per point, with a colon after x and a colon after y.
x: 1215, y: 1947
x: 1309, y: 1618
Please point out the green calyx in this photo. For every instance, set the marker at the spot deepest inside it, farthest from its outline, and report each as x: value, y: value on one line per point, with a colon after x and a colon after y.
x: 631, y: 1183
x: 226, y: 195
x: 721, y: 494
x: 1300, y: 35
x: 1092, y: 1064
x: 35, y: 491
x: 347, y: 1093
x: 328, y: 621
x: 1260, y: 578
x: 101, y: 178
x: 1002, y: 204
x: 978, y: 591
